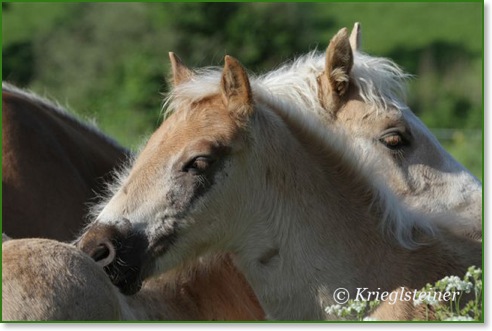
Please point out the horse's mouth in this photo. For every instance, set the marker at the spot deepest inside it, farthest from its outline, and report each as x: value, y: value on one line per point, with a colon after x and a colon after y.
x: 129, y: 282
x: 129, y: 277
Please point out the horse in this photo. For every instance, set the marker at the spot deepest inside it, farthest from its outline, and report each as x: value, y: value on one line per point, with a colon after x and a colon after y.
x: 52, y: 166
x: 416, y: 167
x: 47, y: 280
x: 235, y: 168
x: 35, y: 274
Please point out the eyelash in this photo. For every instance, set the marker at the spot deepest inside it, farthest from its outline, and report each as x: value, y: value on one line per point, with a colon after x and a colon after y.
x: 198, y: 165
x: 394, y: 141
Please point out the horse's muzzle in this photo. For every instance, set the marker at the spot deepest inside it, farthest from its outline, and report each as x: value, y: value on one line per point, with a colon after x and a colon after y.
x: 119, y: 250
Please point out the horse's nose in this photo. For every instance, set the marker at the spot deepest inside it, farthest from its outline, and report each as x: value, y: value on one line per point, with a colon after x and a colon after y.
x: 99, y: 241
x: 120, y: 250
x: 103, y: 252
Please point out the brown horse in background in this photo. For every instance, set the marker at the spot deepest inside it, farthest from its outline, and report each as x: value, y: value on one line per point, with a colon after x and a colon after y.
x: 52, y: 166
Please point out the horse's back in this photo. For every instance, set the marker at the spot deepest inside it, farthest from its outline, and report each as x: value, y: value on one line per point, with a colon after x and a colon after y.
x: 47, y: 280
x: 52, y: 166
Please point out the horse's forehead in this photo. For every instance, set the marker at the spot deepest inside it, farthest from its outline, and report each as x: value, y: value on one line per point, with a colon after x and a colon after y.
x: 206, y: 119
x: 356, y: 114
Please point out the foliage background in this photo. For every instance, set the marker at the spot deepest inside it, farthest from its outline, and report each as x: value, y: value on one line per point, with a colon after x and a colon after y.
x: 108, y: 61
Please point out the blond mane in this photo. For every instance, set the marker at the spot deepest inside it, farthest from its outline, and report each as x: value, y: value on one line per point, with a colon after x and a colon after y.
x: 380, y: 81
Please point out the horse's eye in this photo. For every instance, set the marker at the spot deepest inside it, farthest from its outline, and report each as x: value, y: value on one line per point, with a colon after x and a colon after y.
x: 198, y: 165
x: 393, y: 140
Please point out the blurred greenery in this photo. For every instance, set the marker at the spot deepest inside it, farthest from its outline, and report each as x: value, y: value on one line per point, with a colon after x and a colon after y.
x: 109, y: 61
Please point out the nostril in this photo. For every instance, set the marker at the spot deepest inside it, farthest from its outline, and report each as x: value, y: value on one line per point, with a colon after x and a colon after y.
x: 104, y: 253
x: 101, y: 252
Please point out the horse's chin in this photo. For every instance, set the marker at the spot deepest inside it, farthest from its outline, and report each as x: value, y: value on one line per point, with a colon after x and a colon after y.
x: 130, y: 288
x: 128, y: 280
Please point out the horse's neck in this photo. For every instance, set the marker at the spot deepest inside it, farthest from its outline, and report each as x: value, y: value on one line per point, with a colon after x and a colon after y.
x: 89, y: 137
x: 210, y: 290
x: 321, y: 230
x: 295, y: 275
x: 83, y: 144
x: 298, y: 280
x: 86, y: 142
x: 220, y: 292
x: 159, y: 299
x: 315, y: 222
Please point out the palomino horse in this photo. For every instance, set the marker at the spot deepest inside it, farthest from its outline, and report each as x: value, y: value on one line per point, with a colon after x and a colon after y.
x: 52, y: 165
x: 48, y: 280
x: 58, y: 164
x: 237, y: 169
x: 415, y: 166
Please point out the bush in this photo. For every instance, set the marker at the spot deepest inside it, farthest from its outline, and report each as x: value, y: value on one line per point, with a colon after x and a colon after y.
x: 452, y: 311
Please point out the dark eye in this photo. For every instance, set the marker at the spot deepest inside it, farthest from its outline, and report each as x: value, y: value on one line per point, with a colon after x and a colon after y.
x: 198, y: 165
x: 393, y: 140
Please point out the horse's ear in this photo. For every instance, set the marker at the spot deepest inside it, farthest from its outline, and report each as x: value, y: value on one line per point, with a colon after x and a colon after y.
x: 339, y: 61
x: 235, y: 88
x: 181, y: 73
x: 334, y: 82
x: 355, y: 37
